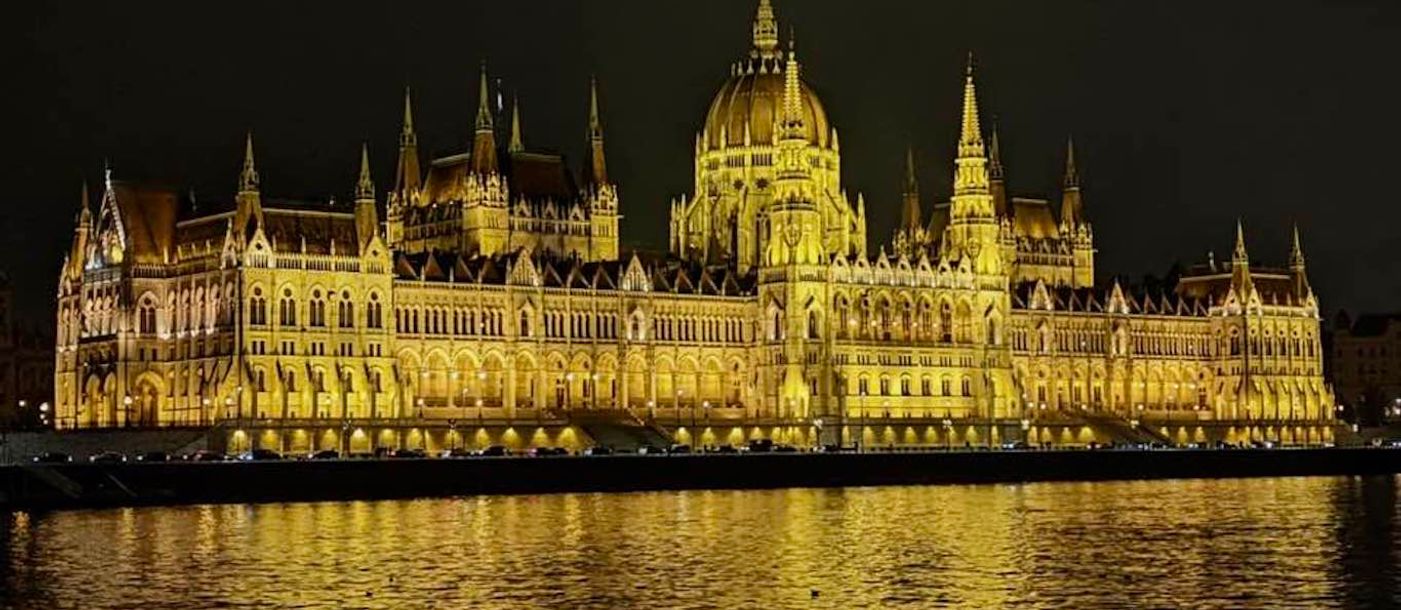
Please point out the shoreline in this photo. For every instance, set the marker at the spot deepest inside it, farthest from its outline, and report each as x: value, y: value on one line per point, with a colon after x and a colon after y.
x: 84, y: 485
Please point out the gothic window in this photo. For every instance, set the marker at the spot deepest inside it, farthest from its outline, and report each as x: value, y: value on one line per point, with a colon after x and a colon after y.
x: 345, y: 311
x: 814, y: 327
x: 287, y: 309
x: 884, y: 386
x: 946, y: 322
x: 967, y: 386
x: 525, y: 324
x: 924, y: 386
x: 945, y: 387
x: 904, y: 386
x: 317, y: 309
x: 374, y: 312
x: 146, y: 315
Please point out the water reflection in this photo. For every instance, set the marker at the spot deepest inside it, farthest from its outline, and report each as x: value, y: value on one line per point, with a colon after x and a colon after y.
x: 1266, y: 543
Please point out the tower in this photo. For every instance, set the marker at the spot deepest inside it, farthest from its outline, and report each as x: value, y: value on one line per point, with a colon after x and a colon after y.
x: 484, y: 137
x: 249, y: 210
x: 1298, y: 276
x: 973, y: 229
x: 407, y: 177
x: 602, y: 195
x: 1075, y: 227
x: 366, y: 217
x: 485, y: 217
x: 997, y: 184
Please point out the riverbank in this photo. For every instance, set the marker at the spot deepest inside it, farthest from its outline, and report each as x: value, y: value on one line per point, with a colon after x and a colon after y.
x: 79, y: 485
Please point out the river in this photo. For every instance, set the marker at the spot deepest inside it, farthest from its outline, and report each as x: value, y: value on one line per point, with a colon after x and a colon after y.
x: 1234, y: 543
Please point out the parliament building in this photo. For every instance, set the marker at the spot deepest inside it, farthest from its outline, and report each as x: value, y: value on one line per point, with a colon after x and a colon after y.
x: 485, y: 298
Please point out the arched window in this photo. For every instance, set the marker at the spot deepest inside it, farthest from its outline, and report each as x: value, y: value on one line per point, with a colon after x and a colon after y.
x: 146, y: 317
x: 317, y: 309
x: 945, y: 387
x: 258, y: 309
x: 814, y: 326
x: 287, y: 309
x: 374, y: 312
x: 525, y: 324
x: 345, y: 311
x: 945, y: 322
x: 967, y: 386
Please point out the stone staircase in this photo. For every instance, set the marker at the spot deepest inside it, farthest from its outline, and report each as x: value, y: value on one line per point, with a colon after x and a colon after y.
x: 1123, y: 431
x: 618, y: 429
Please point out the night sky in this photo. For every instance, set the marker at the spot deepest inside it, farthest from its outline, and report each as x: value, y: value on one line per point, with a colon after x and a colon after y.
x: 1186, y: 115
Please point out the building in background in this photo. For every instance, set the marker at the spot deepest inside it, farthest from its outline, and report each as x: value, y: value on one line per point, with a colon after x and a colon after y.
x: 1366, y: 365
x: 495, y: 299
x: 26, y: 367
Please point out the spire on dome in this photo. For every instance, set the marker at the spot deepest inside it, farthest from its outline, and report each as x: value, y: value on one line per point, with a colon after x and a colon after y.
x: 765, y: 30
x: 484, y: 141
x: 248, y: 179
x: 517, y: 138
x: 970, y: 138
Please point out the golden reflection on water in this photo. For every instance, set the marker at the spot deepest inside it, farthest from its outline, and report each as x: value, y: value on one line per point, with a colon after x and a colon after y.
x: 1266, y: 543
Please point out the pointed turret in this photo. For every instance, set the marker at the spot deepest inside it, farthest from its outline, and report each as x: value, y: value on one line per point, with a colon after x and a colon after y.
x: 910, y: 212
x: 517, y: 138
x: 248, y: 178
x: 364, y: 186
x: 791, y: 119
x: 1240, y: 266
x: 1297, y: 272
x: 406, y: 175
x: 74, y: 264
x: 971, y: 175
x: 996, y: 183
x: 249, y: 210
x: 1072, y: 211
x: 366, y: 216
x: 765, y: 30
x: 484, y: 139
x: 596, y: 166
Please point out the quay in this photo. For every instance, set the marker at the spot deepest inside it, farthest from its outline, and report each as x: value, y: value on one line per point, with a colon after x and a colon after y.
x: 88, y: 485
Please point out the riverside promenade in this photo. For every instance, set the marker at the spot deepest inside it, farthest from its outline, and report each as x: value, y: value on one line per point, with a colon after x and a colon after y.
x: 79, y: 485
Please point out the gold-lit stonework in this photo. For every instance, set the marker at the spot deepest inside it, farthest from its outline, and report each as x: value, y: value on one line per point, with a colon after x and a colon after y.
x: 494, y: 305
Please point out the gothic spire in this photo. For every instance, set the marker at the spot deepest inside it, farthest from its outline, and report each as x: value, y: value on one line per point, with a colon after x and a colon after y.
x: 1240, y: 255
x: 85, y: 210
x: 406, y: 174
x: 364, y: 187
x: 994, y: 155
x: 1072, y: 211
x: 248, y: 179
x: 970, y: 138
x: 1072, y: 176
x: 765, y: 30
x: 910, y: 212
x: 484, y: 140
x: 792, y: 116
x: 596, y: 168
x: 517, y: 139
x: 1296, y: 251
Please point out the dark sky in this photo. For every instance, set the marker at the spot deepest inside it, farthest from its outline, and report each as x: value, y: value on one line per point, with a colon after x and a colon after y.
x: 1187, y: 115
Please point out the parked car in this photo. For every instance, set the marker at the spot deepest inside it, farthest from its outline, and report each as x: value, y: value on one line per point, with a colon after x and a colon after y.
x: 153, y: 456
x: 784, y: 449
x: 650, y: 450
x: 679, y: 449
x: 107, y: 457
x: 829, y: 448
x: 52, y: 457
x: 455, y: 453
x: 598, y: 450
x: 409, y: 454
x: 760, y: 445
x: 1023, y: 446
x: 383, y: 452
x: 204, y: 455
x: 724, y: 449
x: 260, y: 455
x: 494, y: 451
x: 325, y: 454
x: 548, y: 451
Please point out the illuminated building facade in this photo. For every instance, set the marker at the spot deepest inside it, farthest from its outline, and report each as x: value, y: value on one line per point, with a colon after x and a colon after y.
x: 496, y: 292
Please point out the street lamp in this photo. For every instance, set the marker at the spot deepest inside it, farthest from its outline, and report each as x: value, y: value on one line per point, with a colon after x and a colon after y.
x: 126, y: 405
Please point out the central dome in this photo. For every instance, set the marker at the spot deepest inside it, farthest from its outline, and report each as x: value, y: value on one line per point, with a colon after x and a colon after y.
x: 752, y: 98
